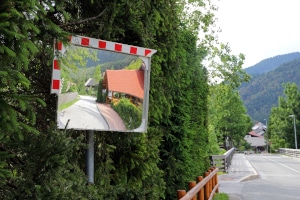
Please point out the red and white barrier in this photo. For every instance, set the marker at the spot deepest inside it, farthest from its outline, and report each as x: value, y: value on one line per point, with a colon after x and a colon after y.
x: 96, y: 44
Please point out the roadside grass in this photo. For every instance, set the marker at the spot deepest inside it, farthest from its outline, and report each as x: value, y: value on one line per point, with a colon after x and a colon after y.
x: 221, y: 196
x: 221, y: 172
x: 66, y: 105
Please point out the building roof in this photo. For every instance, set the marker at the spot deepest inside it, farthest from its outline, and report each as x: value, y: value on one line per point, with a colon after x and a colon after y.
x: 125, y: 81
x: 254, y: 134
x: 258, y: 130
x: 90, y: 82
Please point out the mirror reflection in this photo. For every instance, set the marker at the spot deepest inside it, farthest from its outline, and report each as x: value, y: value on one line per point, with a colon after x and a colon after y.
x: 100, y: 90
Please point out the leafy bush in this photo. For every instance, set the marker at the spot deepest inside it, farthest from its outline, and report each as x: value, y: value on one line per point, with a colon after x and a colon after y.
x: 222, y: 151
x: 221, y: 196
x: 130, y: 114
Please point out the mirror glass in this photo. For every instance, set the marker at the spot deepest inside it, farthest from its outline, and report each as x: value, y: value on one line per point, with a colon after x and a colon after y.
x: 100, y: 90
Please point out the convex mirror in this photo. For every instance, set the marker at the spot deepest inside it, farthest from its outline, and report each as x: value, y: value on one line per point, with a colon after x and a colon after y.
x: 101, y: 85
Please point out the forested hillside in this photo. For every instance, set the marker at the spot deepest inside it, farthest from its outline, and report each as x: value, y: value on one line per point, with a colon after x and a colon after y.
x: 263, y: 91
x: 269, y: 64
x: 38, y: 161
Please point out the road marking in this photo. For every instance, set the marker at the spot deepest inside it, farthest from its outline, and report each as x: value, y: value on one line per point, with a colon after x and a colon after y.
x: 284, y: 165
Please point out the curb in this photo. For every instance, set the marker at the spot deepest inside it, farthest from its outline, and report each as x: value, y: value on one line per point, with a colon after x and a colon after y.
x: 103, y: 116
x: 252, y: 176
x: 234, y: 197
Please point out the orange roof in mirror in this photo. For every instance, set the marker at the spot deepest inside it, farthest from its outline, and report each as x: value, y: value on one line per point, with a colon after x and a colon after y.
x: 126, y: 81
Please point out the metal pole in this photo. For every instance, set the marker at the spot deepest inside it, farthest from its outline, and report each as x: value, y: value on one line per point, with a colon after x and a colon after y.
x: 90, y: 156
x: 296, y: 146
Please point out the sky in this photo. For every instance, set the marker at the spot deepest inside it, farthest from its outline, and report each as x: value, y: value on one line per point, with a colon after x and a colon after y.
x: 259, y: 29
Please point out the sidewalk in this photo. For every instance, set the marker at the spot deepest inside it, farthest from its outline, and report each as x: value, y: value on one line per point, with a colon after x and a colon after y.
x: 240, y: 170
x: 111, y: 117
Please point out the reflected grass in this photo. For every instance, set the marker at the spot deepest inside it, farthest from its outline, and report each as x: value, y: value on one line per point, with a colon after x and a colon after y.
x: 66, y: 105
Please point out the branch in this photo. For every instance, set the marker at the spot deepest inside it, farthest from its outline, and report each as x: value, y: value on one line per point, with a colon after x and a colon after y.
x: 11, y: 185
x: 84, y: 20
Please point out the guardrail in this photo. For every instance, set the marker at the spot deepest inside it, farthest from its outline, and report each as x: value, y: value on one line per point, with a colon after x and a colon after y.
x: 290, y: 152
x: 222, y: 161
x: 204, y: 189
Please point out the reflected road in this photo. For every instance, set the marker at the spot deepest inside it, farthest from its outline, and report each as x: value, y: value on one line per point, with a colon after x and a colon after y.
x: 83, y: 115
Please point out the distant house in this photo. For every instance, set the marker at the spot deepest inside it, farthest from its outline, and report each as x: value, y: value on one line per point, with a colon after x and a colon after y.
x: 127, y: 82
x: 90, y: 84
x: 256, y: 137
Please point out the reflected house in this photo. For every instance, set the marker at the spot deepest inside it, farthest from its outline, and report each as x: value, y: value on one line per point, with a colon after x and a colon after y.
x: 90, y: 84
x: 129, y: 83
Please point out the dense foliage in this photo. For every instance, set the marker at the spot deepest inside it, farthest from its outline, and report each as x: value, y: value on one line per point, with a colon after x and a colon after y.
x: 37, y: 161
x: 228, y: 119
x: 130, y: 113
x: 281, y: 124
x: 228, y: 116
x: 262, y: 92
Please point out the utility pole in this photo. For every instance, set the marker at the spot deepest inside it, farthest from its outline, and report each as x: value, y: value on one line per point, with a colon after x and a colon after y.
x: 296, y: 146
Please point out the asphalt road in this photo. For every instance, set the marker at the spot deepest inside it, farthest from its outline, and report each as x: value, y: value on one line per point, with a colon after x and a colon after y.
x: 279, y: 179
x: 83, y: 115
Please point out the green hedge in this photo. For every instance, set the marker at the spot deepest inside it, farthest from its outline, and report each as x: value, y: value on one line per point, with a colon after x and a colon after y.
x: 130, y: 114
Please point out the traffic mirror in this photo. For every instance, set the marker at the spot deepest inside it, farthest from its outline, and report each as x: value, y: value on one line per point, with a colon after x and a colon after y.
x: 101, y: 85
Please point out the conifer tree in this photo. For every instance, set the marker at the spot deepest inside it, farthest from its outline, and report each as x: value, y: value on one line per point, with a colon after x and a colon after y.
x: 37, y: 161
x: 16, y: 49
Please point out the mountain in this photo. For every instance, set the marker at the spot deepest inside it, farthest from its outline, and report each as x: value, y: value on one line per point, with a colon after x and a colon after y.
x: 262, y: 92
x: 269, y: 64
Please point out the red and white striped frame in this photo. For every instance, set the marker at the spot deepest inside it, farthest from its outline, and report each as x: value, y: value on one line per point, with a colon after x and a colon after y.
x: 96, y: 44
